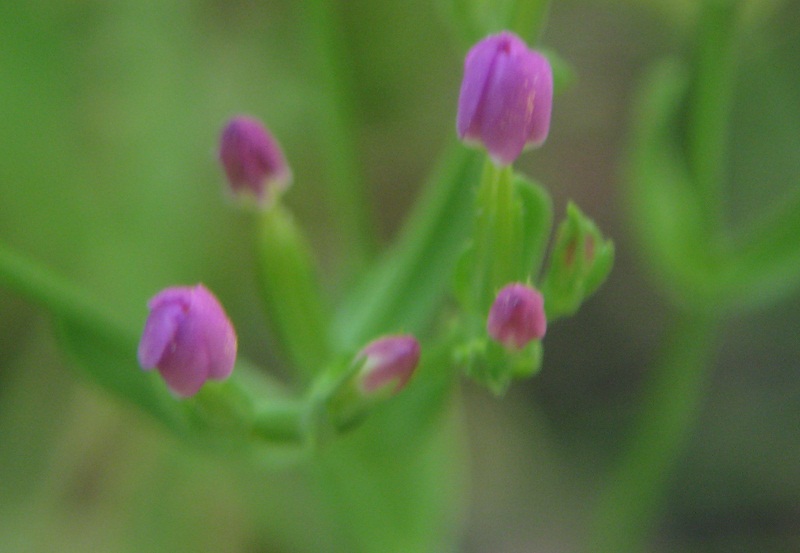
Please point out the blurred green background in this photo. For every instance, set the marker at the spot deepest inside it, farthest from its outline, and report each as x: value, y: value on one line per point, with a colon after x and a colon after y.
x: 109, y: 115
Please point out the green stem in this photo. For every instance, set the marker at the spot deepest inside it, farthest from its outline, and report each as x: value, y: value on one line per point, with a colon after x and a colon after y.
x: 635, y: 492
x: 290, y: 289
x: 346, y: 187
x: 403, y: 291
x: 498, y: 235
x: 710, y: 103
x: 281, y: 423
x: 42, y: 287
x: 105, y: 350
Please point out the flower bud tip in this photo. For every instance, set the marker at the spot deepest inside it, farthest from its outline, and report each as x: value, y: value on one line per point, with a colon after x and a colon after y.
x: 188, y: 338
x: 517, y: 316
x: 506, y: 97
x: 252, y: 159
x: 389, y: 363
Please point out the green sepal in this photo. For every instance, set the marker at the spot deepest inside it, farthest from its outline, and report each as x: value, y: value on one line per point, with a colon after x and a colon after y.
x: 526, y: 210
x: 289, y: 286
x: 494, y: 366
x: 537, y: 222
x: 580, y: 262
x: 340, y: 401
x: 513, y: 221
x: 513, y: 217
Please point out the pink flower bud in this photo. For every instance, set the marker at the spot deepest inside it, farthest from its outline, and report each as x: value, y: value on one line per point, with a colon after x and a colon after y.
x: 506, y: 97
x: 389, y: 363
x: 189, y: 338
x: 517, y: 316
x: 253, y: 160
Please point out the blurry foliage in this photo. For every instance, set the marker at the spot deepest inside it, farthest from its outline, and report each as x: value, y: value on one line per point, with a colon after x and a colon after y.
x: 109, y: 113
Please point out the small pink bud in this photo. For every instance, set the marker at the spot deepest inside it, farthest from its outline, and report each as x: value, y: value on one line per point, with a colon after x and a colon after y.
x: 253, y: 160
x: 389, y: 363
x: 517, y: 316
x: 189, y: 338
x: 506, y: 97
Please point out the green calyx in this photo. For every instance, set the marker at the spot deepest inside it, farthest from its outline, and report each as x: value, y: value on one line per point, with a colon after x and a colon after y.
x: 580, y: 262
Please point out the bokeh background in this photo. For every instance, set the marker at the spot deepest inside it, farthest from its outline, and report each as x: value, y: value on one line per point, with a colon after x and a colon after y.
x: 109, y: 115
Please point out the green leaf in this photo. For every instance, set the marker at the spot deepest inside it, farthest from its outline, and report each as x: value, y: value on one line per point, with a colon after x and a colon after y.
x: 404, y: 290
x: 665, y: 208
x: 245, y: 410
x: 765, y: 266
x: 107, y: 357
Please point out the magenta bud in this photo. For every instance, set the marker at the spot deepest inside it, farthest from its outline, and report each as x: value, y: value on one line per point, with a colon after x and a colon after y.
x: 517, y: 316
x: 389, y: 363
x: 189, y: 338
x: 506, y: 97
x: 253, y: 160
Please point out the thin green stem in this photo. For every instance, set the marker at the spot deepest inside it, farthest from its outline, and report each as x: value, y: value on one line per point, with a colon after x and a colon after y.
x: 291, y: 292
x: 498, y: 234
x: 403, y: 291
x: 44, y: 288
x: 281, y: 423
x: 710, y: 103
x: 635, y: 492
x: 335, y: 109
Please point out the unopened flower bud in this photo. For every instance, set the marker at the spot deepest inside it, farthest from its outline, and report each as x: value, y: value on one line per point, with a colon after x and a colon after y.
x: 189, y: 338
x: 253, y: 160
x: 506, y: 97
x: 380, y: 370
x: 388, y: 364
x: 579, y: 263
x: 517, y: 316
